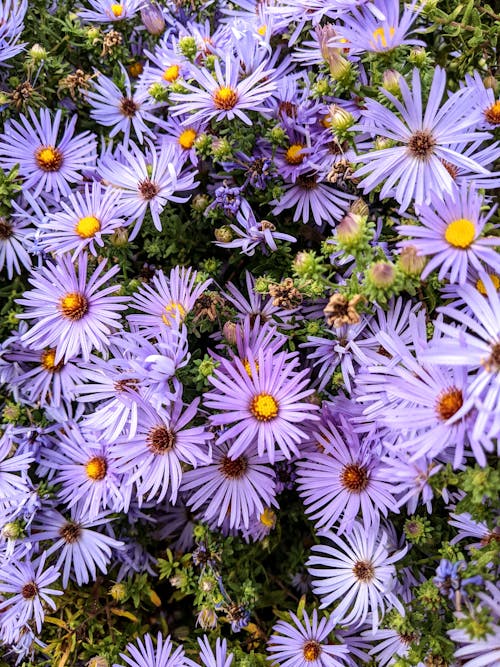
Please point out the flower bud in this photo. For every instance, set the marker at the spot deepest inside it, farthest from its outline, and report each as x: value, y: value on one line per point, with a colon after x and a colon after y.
x: 223, y: 234
x: 339, y: 119
x: 153, y: 19
x: 229, y: 332
x: 119, y: 238
x: 200, y: 202
x: 350, y: 229
x: 339, y: 66
x: 118, y: 592
x: 491, y: 82
x: 207, y: 619
x: 382, y: 274
x: 391, y: 81
x: 359, y: 207
x: 409, y: 261
x: 98, y: 661
x: 12, y: 531
x: 37, y: 53
x: 135, y: 69
x: 188, y: 47
x: 418, y: 56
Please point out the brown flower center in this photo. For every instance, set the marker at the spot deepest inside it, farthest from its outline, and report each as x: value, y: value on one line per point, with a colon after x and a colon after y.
x: 128, y: 107
x: 363, y: 571
x: 451, y: 169
x: 29, y: 591
x: 160, y: 439
x: 70, y: 532
x: 311, y: 650
x: 49, y: 158
x: 233, y: 468
x: 125, y: 384
x: 74, y: 305
x: 421, y: 144
x: 225, y: 98
x: 449, y: 402
x: 354, y: 478
x: 307, y: 182
x: 492, y: 364
x: 6, y: 230
x: 148, y: 189
x: 492, y: 113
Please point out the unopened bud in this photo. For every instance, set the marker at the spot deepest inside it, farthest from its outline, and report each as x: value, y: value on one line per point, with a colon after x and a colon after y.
x: 350, y: 228
x: 391, y: 81
x: 359, y: 207
x: 37, y: 53
x: 223, y: 234
x: 98, y: 661
x: 200, y: 202
x: 229, y: 332
x: 382, y: 274
x: 491, y: 82
x: 153, y: 19
x: 418, y: 56
x: 339, y: 66
x: 207, y: 619
x: 119, y: 238
x: 339, y: 119
x: 118, y: 592
x: 12, y: 531
x: 409, y: 261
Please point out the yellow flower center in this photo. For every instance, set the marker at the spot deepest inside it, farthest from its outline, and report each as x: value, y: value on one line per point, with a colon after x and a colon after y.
x: 480, y: 285
x: 380, y: 35
x: 262, y: 30
x: 460, y: 233
x: 48, y: 361
x: 87, y: 227
x: 174, y: 311
x: 74, y: 305
x: 294, y: 154
x: 449, y: 402
x: 264, y: 407
x: 186, y: 138
x: 135, y: 69
x: 171, y: 73
x: 96, y: 468
x: 117, y: 10
x: 268, y: 518
x: 49, y: 158
x: 248, y: 368
x: 225, y: 98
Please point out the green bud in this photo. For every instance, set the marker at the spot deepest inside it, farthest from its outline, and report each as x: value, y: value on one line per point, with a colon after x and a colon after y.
x: 221, y: 149
x: 391, y: 81
x: 158, y: 92
x: 119, y: 238
x: 93, y: 33
x: 382, y: 274
x: 203, y: 144
x: 37, y: 53
x: 410, y: 263
x: 418, y: 56
x: 339, y: 119
x: 118, y: 592
x: 200, y: 202
x: 417, y: 529
x: 11, y: 413
x: 12, y: 531
x: 188, y: 47
x: 224, y: 234
x: 307, y: 265
x: 277, y: 135
x: 206, y: 367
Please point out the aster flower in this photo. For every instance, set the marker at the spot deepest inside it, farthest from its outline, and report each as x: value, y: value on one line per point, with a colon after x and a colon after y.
x: 410, y: 477
x: 82, y: 550
x: 80, y: 463
x: 28, y: 585
x: 46, y: 164
x: 484, y: 100
x: 147, y: 182
x: 223, y: 96
x: 239, y: 488
x: 409, y: 172
x: 262, y: 405
x: 478, y: 348
x: 108, y: 11
x: 305, y: 642
x: 389, y: 645
x: 120, y: 111
x: 12, y: 14
x: 166, y: 300
x: 311, y: 195
x: 343, y: 479
x: 362, y: 30
x: 15, y: 234
x: 82, y: 221
x: 12, y: 469
x: 359, y: 574
x: 467, y: 527
x: 210, y: 658
x: 70, y: 313
x: 143, y: 653
x: 152, y: 458
x: 451, y: 235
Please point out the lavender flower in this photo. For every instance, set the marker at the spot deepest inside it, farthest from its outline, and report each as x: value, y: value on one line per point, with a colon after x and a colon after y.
x: 143, y: 653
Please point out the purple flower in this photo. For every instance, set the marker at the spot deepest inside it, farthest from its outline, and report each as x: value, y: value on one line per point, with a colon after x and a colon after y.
x: 239, y: 488
x: 120, y: 111
x: 478, y: 348
x: 358, y: 574
x: 147, y: 181
x: 46, y: 164
x: 343, y: 479
x: 152, y: 458
x: 210, y: 658
x: 12, y: 13
x: 143, y: 653
x: 70, y: 312
x: 166, y: 301
x: 28, y: 584
x: 364, y: 30
x: 451, y: 235
x: 410, y: 172
x: 305, y: 642
x: 15, y: 234
x: 261, y: 405
x: 82, y: 221
x: 449, y: 580
x: 83, y: 551
x: 223, y: 96
x: 109, y: 11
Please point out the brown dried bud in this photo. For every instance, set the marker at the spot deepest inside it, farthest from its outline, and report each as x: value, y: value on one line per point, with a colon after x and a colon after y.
x: 285, y: 294
x: 340, y: 311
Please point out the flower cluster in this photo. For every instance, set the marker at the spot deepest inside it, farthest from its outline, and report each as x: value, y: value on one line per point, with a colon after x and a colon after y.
x: 250, y: 353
